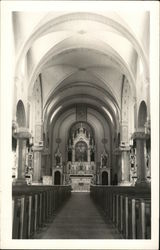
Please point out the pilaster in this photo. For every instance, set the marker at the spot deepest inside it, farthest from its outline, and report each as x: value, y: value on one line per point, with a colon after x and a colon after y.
x: 89, y: 155
x: 73, y: 154
x: 124, y: 179
x: 37, y: 152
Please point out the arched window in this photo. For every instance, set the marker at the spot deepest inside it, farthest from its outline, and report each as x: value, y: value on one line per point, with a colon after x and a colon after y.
x: 142, y: 115
x: 20, y: 114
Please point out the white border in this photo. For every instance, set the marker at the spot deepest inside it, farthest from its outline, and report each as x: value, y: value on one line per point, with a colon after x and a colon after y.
x: 7, y: 67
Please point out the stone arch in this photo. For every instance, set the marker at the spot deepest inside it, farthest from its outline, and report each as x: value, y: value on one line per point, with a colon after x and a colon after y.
x: 142, y: 114
x: 20, y: 114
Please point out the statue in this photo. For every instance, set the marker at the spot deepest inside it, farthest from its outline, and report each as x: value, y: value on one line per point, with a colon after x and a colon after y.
x: 57, y: 160
x: 58, y: 157
x: 104, y: 160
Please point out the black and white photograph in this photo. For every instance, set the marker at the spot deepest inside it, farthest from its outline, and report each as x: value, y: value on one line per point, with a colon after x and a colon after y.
x: 80, y: 125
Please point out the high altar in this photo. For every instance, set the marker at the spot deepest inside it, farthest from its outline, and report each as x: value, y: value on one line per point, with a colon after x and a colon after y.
x: 80, y: 169
x: 81, y: 165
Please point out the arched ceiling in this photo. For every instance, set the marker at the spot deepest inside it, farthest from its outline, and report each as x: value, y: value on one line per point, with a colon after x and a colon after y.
x: 78, y: 22
x: 73, y: 98
x: 81, y: 57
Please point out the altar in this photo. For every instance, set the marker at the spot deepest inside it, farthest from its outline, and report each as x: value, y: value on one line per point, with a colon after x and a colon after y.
x: 80, y: 183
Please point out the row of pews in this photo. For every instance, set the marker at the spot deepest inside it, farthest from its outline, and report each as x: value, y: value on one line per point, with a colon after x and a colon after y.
x: 128, y: 208
x: 35, y: 206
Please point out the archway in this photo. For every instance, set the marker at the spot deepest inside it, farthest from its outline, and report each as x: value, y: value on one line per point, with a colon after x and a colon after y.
x: 20, y: 114
x: 142, y: 115
x: 57, y: 178
x: 104, y: 178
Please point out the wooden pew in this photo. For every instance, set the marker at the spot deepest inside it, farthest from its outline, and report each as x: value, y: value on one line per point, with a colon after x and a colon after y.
x: 34, y: 206
x: 129, y: 208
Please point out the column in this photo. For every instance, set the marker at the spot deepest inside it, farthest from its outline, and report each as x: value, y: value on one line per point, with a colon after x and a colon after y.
x: 48, y: 164
x: 89, y: 155
x: 125, y: 167
x: 37, y: 151
x: 21, y: 135
x: 141, y: 138
x: 46, y: 156
x: 73, y: 154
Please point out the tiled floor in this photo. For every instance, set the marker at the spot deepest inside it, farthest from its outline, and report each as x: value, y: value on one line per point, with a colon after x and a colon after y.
x: 79, y: 218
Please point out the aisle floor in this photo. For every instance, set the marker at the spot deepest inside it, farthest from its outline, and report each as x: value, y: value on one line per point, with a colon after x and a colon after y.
x: 79, y: 218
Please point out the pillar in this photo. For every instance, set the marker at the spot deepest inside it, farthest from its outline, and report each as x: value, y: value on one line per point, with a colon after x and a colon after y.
x: 37, y: 151
x: 73, y: 155
x: 46, y: 155
x: 48, y: 164
x: 21, y: 135
x: 125, y: 167
x: 140, y: 138
x: 89, y: 155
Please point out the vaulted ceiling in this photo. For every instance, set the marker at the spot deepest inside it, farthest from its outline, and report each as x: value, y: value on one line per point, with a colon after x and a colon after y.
x: 81, y: 57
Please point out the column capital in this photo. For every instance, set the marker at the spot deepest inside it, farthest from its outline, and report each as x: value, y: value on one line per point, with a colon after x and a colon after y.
x: 126, y: 148
x: 140, y: 135
x: 120, y: 149
x: 37, y: 148
x: 22, y: 133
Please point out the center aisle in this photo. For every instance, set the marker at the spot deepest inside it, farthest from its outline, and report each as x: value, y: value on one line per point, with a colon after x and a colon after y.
x: 79, y: 218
